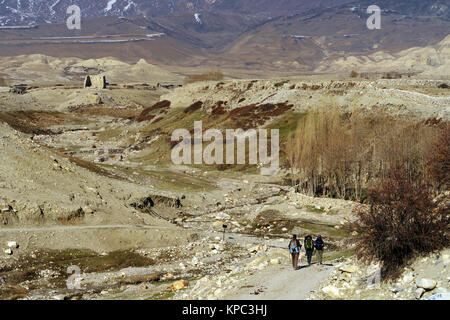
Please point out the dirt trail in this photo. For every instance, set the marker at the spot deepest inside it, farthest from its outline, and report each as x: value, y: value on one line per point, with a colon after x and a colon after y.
x: 282, y: 283
x: 278, y: 282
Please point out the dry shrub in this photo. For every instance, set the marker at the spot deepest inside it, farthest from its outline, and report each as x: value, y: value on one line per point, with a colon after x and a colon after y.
x: 402, y: 221
x: 218, y: 111
x: 353, y: 74
x: 208, y: 76
x: 438, y: 162
x: 392, y: 75
x: 108, y: 112
x: 145, y: 114
x: 255, y: 115
x: 193, y: 107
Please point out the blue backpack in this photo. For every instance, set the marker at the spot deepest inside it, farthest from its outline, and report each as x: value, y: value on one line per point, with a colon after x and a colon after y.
x: 293, y: 247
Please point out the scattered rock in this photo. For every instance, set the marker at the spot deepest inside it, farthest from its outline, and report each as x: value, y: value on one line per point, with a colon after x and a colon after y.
x: 427, y: 284
x: 331, y: 292
x: 12, y: 244
x: 418, y: 293
x: 348, y: 269
x: 178, y: 285
x: 275, y: 261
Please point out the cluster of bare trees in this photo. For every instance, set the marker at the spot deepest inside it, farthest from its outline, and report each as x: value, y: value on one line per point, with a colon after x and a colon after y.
x: 337, y: 154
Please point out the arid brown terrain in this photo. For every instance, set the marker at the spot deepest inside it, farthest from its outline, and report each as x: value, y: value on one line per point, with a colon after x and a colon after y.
x: 93, y: 207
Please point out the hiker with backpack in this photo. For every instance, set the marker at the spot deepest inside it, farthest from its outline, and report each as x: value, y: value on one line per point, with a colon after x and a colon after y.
x: 309, y: 248
x: 294, y: 249
x: 319, y: 245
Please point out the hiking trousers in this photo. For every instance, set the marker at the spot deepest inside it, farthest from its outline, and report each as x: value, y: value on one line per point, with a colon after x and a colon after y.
x: 294, y: 256
x: 309, y: 255
x: 319, y: 256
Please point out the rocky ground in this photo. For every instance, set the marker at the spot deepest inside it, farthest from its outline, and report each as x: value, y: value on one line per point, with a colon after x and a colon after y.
x: 425, y: 278
x: 90, y: 208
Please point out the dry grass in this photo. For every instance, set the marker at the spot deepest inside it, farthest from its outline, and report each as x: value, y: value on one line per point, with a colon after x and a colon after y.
x: 207, y: 76
x: 108, y: 112
x: 37, y: 122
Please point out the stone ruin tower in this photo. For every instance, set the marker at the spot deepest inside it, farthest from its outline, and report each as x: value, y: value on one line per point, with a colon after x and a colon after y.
x: 95, y: 82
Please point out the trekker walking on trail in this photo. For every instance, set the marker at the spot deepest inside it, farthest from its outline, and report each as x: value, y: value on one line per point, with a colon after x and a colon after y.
x: 309, y: 248
x: 294, y: 249
x: 319, y: 245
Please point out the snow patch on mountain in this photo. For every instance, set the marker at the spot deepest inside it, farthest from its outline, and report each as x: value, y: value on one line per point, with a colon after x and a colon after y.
x: 52, y: 11
x: 198, y: 19
x: 128, y: 6
x: 110, y: 5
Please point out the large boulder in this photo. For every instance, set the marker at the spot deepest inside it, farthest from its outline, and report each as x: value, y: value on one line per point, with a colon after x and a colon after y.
x: 331, y: 292
x: 427, y: 284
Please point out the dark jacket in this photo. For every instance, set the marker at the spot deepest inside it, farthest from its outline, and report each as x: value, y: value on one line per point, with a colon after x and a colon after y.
x: 319, y: 244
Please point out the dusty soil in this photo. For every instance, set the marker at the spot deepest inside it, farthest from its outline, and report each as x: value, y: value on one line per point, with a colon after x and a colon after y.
x: 85, y: 180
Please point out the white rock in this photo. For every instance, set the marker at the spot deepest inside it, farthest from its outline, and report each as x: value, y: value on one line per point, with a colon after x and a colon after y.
x: 408, y: 278
x: 419, y: 292
x: 348, y: 269
x: 12, y: 244
x: 8, y: 252
x: 427, y: 284
x: 262, y: 265
x: 275, y: 261
x: 331, y: 291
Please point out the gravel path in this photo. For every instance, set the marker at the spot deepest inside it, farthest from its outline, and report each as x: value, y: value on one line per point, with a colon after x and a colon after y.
x: 281, y: 283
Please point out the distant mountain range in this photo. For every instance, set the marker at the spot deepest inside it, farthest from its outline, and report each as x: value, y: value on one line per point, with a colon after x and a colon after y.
x: 42, y: 11
x: 265, y: 34
x: 18, y: 12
